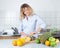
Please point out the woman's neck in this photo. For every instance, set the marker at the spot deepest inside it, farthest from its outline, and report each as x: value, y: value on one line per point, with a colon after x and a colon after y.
x: 27, y: 17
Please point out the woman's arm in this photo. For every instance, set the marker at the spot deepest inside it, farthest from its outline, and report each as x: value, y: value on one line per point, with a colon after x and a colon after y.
x: 35, y: 32
x: 40, y: 24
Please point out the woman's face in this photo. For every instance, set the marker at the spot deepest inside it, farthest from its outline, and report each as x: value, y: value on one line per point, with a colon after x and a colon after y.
x: 26, y: 11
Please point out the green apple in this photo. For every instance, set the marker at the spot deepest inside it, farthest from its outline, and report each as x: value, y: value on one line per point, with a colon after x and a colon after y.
x: 52, y: 44
x: 51, y: 39
x: 37, y: 40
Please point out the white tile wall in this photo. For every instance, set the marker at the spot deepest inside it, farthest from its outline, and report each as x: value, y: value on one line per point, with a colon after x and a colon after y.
x: 51, y: 18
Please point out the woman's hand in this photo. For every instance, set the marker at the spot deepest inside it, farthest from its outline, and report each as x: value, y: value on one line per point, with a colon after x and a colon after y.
x: 32, y: 33
x: 23, y: 34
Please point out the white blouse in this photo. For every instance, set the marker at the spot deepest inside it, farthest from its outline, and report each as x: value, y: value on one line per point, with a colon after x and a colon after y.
x: 31, y: 24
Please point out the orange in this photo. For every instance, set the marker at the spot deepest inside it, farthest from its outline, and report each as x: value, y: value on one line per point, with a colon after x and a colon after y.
x: 14, y: 42
x: 47, y: 43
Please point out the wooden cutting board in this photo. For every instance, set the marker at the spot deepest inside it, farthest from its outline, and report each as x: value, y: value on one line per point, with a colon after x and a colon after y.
x: 10, y: 37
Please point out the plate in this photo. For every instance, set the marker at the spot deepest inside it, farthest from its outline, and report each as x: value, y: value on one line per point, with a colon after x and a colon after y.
x: 11, y: 35
x: 16, y: 34
x: 5, y: 35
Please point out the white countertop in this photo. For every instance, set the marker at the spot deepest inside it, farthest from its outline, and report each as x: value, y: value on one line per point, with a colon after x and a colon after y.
x: 7, y: 43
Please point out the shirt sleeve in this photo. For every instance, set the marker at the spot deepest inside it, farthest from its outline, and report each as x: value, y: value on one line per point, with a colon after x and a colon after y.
x: 40, y: 23
x: 20, y: 27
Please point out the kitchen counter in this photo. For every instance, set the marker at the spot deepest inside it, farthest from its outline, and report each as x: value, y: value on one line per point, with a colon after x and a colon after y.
x: 7, y: 43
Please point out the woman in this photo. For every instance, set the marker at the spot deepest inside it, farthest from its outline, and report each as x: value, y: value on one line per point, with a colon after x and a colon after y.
x: 30, y: 24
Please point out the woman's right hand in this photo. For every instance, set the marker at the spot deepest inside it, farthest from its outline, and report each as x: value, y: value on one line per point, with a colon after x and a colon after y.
x: 23, y: 34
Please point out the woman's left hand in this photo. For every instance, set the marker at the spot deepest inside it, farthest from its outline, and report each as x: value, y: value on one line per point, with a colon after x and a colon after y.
x: 32, y: 33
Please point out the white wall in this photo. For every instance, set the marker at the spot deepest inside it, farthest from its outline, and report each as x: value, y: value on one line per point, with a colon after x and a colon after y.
x: 49, y: 10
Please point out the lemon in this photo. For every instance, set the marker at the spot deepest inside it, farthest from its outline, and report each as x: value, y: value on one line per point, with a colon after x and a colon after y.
x: 47, y: 43
x: 22, y: 40
x: 19, y: 43
x: 57, y: 41
x: 27, y: 39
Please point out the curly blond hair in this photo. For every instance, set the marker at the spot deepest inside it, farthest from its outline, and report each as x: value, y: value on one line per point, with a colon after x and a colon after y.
x: 22, y: 12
